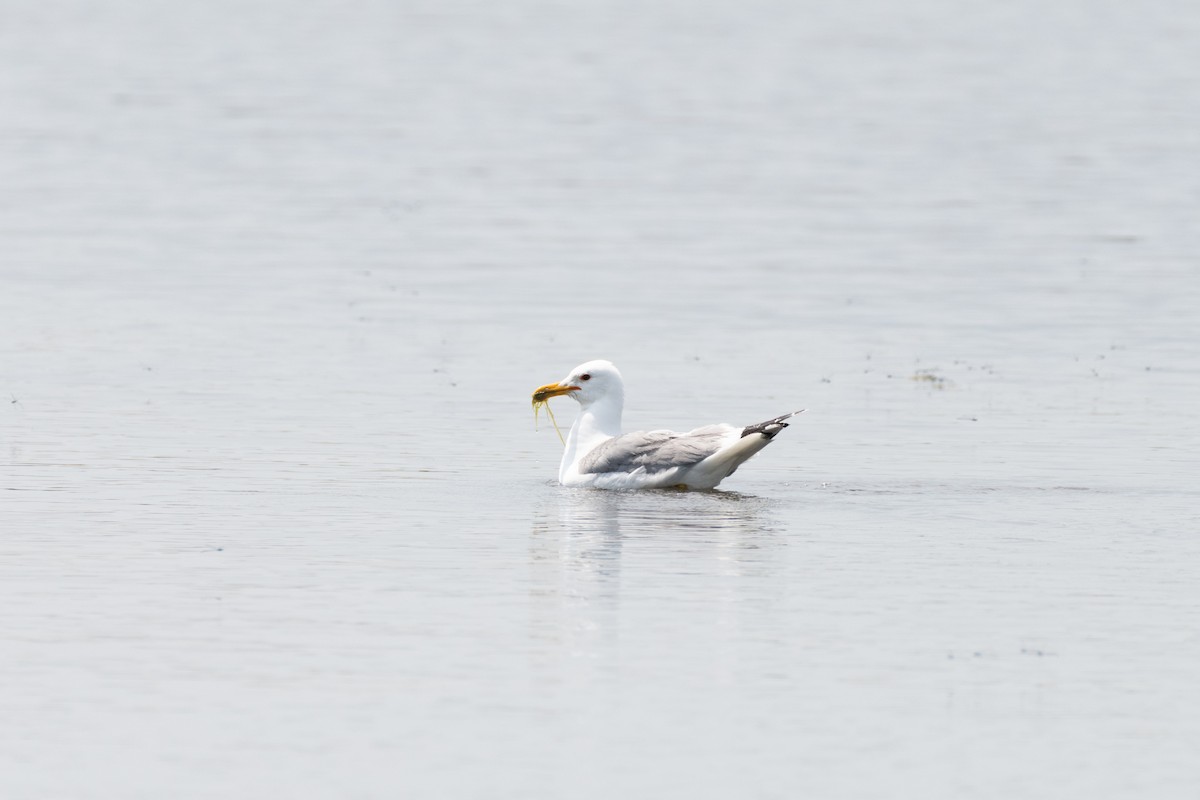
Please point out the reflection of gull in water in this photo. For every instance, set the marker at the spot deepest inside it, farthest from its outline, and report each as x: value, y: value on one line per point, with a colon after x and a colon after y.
x: 598, y: 455
x: 596, y: 556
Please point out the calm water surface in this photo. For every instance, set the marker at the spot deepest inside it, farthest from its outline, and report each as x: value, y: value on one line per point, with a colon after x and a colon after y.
x: 277, y: 280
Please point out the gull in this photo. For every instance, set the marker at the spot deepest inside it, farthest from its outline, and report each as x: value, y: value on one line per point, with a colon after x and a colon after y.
x: 599, y: 456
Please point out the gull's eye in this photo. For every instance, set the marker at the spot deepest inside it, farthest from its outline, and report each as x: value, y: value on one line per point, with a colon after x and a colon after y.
x: 585, y: 377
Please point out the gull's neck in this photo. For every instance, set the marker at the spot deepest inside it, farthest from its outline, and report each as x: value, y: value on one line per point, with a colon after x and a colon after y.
x: 601, y: 419
x: 598, y: 421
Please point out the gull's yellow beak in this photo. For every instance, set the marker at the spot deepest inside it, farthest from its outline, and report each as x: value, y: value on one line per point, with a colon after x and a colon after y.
x: 544, y: 393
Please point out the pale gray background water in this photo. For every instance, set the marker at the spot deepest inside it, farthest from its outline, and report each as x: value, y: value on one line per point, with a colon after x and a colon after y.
x: 278, y: 278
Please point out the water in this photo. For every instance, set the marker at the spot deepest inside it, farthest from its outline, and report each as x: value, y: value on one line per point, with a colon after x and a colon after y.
x: 277, y: 281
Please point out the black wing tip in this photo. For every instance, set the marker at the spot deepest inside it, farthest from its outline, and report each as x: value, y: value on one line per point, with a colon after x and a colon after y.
x: 770, y: 427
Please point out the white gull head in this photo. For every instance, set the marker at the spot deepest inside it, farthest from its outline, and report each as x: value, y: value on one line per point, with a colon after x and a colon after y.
x: 596, y: 382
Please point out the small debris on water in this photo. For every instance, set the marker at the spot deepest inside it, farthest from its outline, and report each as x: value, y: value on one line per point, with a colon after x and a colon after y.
x: 931, y: 377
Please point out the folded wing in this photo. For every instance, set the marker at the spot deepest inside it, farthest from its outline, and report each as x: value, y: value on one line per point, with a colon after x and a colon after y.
x: 656, y: 451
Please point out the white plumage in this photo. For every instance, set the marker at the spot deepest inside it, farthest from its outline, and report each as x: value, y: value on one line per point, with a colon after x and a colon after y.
x: 598, y: 455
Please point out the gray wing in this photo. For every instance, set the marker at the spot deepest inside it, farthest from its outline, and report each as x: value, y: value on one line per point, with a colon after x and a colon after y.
x: 655, y: 451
